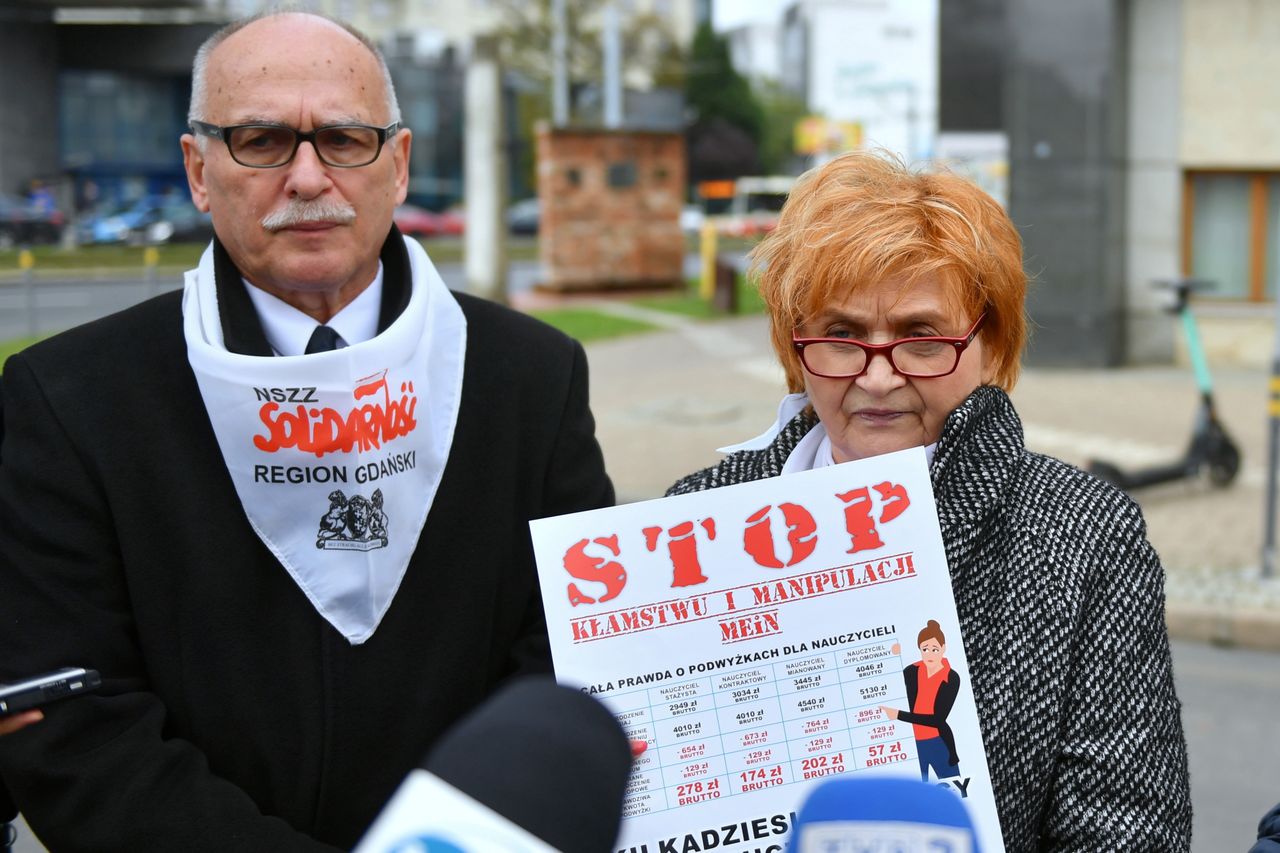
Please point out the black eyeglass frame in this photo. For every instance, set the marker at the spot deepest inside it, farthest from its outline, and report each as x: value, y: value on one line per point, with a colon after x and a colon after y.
x: 224, y: 133
x: 960, y: 343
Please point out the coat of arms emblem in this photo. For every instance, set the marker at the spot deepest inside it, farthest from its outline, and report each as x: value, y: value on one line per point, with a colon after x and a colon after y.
x: 356, y: 523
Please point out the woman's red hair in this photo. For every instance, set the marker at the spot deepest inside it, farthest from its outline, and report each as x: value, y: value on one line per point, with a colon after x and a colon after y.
x: 864, y: 217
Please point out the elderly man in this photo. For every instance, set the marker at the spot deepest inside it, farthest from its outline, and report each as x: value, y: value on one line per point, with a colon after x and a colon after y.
x: 284, y: 512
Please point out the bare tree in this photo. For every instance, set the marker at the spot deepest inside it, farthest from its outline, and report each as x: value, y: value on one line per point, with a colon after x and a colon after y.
x: 649, y: 47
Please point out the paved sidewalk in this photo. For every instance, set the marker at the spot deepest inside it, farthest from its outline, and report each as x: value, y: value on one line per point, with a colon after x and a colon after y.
x: 664, y: 401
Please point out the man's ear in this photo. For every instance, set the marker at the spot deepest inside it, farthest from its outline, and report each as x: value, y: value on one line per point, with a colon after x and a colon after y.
x: 193, y: 162
x: 401, y: 146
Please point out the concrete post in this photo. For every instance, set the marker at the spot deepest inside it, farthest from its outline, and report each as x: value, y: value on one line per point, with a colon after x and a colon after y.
x: 612, y: 66
x: 559, y: 65
x: 26, y: 263
x: 1273, y: 459
x: 150, y: 258
x: 485, y: 174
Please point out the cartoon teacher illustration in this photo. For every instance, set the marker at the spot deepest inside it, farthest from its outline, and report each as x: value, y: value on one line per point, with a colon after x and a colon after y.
x: 932, y: 686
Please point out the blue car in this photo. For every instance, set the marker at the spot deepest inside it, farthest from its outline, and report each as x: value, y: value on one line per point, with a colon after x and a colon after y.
x: 151, y: 219
x: 22, y: 222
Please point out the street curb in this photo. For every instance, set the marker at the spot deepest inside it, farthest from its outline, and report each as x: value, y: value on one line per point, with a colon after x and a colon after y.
x: 1222, y: 625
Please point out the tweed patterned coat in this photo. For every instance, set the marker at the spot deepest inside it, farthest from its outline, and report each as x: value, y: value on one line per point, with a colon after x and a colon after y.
x: 1061, y: 602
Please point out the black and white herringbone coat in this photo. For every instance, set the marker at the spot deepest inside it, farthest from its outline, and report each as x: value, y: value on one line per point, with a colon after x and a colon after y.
x: 1061, y: 602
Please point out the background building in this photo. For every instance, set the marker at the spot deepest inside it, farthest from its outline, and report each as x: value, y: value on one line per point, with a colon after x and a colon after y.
x: 1132, y: 141
x: 1141, y: 147
x: 875, y: 64
x: 755, y: 49
x: 94, y: 95
x: 93, y: 102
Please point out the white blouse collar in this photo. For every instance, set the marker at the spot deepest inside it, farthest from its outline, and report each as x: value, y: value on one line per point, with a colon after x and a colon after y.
x: 813, y: 451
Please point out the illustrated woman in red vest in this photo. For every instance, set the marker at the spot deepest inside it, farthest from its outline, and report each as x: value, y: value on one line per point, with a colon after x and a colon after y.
x: 932, y: 686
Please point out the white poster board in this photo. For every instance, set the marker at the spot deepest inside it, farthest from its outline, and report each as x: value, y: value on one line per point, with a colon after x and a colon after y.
x: 757, y: 637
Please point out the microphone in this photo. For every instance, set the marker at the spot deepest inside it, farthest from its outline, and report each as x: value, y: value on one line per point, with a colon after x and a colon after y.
x: 536, y: 768
x: 882, y: 815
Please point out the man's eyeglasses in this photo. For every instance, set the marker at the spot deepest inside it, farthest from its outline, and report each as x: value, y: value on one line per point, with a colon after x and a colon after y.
x: 265, y: 146
x: 920, y: 358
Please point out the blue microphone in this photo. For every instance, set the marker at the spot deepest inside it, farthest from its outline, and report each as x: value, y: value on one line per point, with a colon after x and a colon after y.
x: 882, y: 815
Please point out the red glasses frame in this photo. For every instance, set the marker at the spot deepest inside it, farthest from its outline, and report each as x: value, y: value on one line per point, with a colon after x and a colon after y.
x: 886, y: 349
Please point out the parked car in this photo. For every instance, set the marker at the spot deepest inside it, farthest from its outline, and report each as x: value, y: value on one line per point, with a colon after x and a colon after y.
x: 523, y: 216
x: 152, y: 218
x: 453, y: 222
x: 414, y: 221
x: 23, y: 222
x: 754, y: 207
x: 179, y: 222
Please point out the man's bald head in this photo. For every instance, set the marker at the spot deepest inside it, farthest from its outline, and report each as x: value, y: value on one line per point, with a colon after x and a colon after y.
x: 305, y: 230
x: 198, y: 109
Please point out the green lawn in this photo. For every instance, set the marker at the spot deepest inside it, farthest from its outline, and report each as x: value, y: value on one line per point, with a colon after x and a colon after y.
x: 581, y: 323
x: 178, y: 255
x: 184, y: 256
x: 691, y: 304
x: 8, y: 348
x: 588, y: 325
x: 585, y: 324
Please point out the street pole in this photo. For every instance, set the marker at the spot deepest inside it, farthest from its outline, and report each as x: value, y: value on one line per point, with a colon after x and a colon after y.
x: 612, y: 66
x: 559, y: 66
x: 484, y: 174
x: 150, y: 258
x: 1273, y: 457
x: 26, y: 263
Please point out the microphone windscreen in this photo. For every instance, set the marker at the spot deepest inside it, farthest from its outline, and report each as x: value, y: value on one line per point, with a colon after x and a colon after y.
x: 548, y: 758
x: 882, y: 814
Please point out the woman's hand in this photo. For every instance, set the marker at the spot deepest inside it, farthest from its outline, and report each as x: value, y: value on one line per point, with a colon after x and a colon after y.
x: 891, y: 713
x: 9, y: 725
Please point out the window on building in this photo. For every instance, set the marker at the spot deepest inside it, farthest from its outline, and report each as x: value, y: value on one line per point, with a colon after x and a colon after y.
x: 622, y: 174
x: 1231, y: 232
x: 118, y: 121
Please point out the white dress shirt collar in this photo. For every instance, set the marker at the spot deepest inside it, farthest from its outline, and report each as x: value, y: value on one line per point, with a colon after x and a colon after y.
x: 287, y: 329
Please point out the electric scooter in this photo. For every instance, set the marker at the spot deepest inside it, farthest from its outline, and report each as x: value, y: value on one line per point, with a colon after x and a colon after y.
x: 1211, y: 450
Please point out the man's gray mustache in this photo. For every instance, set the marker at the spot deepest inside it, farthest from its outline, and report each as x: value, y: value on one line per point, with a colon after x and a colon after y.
x: 297, y: 212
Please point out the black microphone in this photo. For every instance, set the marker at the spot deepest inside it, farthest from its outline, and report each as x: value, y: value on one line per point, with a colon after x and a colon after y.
x: 537, y: 767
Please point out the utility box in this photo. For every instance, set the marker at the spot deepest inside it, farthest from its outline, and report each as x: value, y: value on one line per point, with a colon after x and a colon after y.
x: 610, y: 205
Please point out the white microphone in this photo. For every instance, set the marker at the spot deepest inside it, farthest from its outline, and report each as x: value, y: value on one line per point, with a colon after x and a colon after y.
x: 537, y: 768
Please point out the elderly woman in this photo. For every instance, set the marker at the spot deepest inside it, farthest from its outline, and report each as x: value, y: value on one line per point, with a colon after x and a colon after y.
x: 897, y: 309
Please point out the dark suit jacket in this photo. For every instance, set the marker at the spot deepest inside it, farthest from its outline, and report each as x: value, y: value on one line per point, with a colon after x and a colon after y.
x: 8, y: 811
x: 234, y: 717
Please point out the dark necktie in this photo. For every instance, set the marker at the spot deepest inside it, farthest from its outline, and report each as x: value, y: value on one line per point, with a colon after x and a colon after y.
x: 324, y: 339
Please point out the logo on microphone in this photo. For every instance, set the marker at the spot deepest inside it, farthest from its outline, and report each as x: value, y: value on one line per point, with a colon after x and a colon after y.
x: 426, y: 844
x: 353, y: 524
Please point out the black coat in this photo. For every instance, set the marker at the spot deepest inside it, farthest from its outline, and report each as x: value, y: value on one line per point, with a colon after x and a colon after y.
x: 233, y: 716
x: 948, y: 690
x: 1061, y: 603
x: 8, y: 811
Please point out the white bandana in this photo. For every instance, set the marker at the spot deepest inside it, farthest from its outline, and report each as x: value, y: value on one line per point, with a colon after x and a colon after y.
x: 336, y: 456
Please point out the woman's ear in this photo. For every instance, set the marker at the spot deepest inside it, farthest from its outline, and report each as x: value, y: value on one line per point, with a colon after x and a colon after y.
x: 988, y: 364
